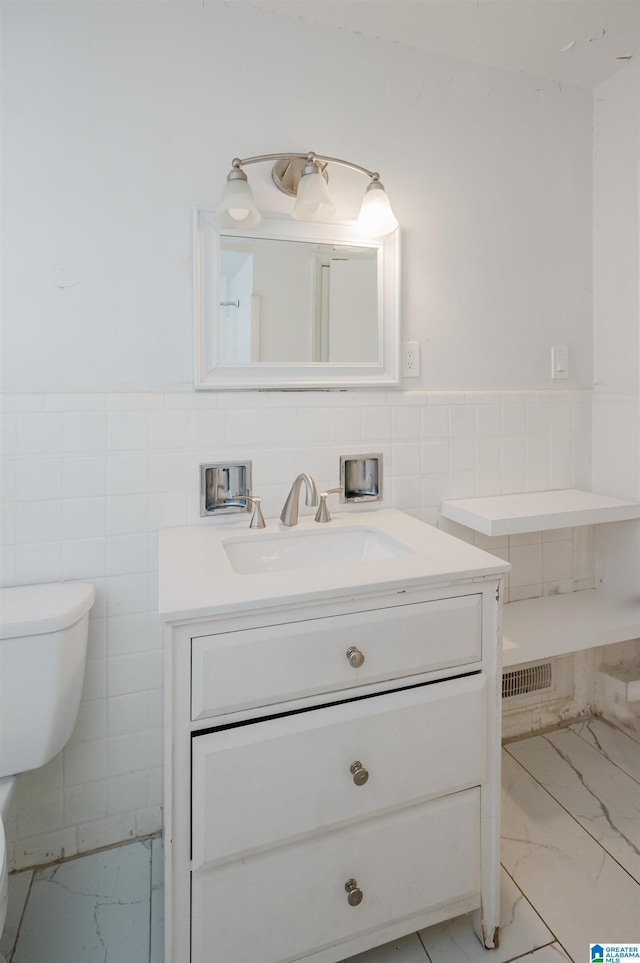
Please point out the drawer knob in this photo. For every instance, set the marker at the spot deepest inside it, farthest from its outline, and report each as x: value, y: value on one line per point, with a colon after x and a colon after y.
x: 354, y: 893
x: 355, y: 657
x: 359, y: 773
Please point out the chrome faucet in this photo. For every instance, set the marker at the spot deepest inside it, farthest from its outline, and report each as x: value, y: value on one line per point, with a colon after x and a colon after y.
x: 289, y: 514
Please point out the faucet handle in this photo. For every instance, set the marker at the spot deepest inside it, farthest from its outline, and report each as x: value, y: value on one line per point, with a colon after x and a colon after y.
x: 257, y: 519
x: 322, y: 515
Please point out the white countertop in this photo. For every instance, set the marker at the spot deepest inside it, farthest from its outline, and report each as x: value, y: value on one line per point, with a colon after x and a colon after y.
x: 197, y: 580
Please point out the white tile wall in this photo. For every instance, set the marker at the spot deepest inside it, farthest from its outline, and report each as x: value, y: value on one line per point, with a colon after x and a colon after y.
x: 89, y: 479
x: 542, y: 563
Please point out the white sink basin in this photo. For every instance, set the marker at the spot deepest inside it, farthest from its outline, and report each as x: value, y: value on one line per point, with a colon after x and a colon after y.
x: 301, y: 550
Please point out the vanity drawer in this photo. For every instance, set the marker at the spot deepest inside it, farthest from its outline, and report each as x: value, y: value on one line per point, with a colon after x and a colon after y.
x: 256, y: 667
x: 258, y: 785
x: 404, y: 863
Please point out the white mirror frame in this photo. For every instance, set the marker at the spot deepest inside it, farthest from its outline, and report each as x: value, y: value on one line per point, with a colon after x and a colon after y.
x: 212, y: 373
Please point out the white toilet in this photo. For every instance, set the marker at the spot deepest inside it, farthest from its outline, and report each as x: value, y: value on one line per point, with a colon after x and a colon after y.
x: 43, y: 651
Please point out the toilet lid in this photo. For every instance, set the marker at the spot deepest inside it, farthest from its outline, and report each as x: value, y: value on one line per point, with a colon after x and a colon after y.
x: 34, y: 609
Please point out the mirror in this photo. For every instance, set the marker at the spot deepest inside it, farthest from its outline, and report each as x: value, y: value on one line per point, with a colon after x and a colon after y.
x: 295, y: 305
x: 297, y: 301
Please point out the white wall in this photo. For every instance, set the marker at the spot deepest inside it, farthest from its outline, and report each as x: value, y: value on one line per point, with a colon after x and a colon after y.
x: 120, y: 117
x: 616, y: 405
x: 284, y: 286
x: 616, y: 153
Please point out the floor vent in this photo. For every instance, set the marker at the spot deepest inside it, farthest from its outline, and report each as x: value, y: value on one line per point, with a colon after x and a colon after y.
x: 530, y: 679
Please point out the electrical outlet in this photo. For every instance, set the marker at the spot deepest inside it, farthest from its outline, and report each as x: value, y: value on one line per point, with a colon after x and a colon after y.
x: 411, y: 359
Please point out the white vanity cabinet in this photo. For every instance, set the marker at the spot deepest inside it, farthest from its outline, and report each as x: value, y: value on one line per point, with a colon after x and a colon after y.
x: 332, y: 771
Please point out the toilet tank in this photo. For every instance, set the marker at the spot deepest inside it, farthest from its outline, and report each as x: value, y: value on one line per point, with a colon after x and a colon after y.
x: 43, y: 650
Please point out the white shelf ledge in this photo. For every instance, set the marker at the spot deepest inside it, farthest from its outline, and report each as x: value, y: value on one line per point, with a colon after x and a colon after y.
x: 558, y: 624
x: 537, y: 511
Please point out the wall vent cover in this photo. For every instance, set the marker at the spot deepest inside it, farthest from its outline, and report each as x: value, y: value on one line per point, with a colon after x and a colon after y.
x: 530, y: 679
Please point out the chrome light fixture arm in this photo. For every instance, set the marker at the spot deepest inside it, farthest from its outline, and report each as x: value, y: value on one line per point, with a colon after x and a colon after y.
x: 310, y: 157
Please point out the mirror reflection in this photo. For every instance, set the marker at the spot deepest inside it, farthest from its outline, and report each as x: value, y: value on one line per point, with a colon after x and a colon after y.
x: 283, y: 301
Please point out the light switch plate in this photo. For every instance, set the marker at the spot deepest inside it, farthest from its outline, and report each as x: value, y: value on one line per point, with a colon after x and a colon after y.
x: 559, y: 363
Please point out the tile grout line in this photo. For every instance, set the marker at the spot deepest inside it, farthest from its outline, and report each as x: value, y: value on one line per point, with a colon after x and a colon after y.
x: 554, y: 939
x: 149, y: 930
x: 424, y: 947
x: 22, y: 916
x: 576, y: 821
x: 582, y: 779
x: 89, y: 852
x: 601, y: 750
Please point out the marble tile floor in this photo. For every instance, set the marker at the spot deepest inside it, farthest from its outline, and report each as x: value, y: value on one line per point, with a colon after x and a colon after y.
x: 570, y: 876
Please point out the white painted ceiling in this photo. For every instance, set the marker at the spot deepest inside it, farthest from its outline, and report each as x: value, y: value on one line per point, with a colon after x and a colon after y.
x: 579, y: 42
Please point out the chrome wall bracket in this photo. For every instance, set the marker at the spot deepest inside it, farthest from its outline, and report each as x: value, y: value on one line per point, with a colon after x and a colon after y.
x: 361, y: 477
x: 225, y: 487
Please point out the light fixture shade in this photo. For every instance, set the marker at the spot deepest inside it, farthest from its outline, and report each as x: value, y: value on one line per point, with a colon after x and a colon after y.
x: 376, y: 218
x: 313, y: 202
x: 237, y: 206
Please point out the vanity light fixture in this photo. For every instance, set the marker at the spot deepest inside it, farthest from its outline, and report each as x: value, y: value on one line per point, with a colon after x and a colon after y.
x: 303, y: 176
